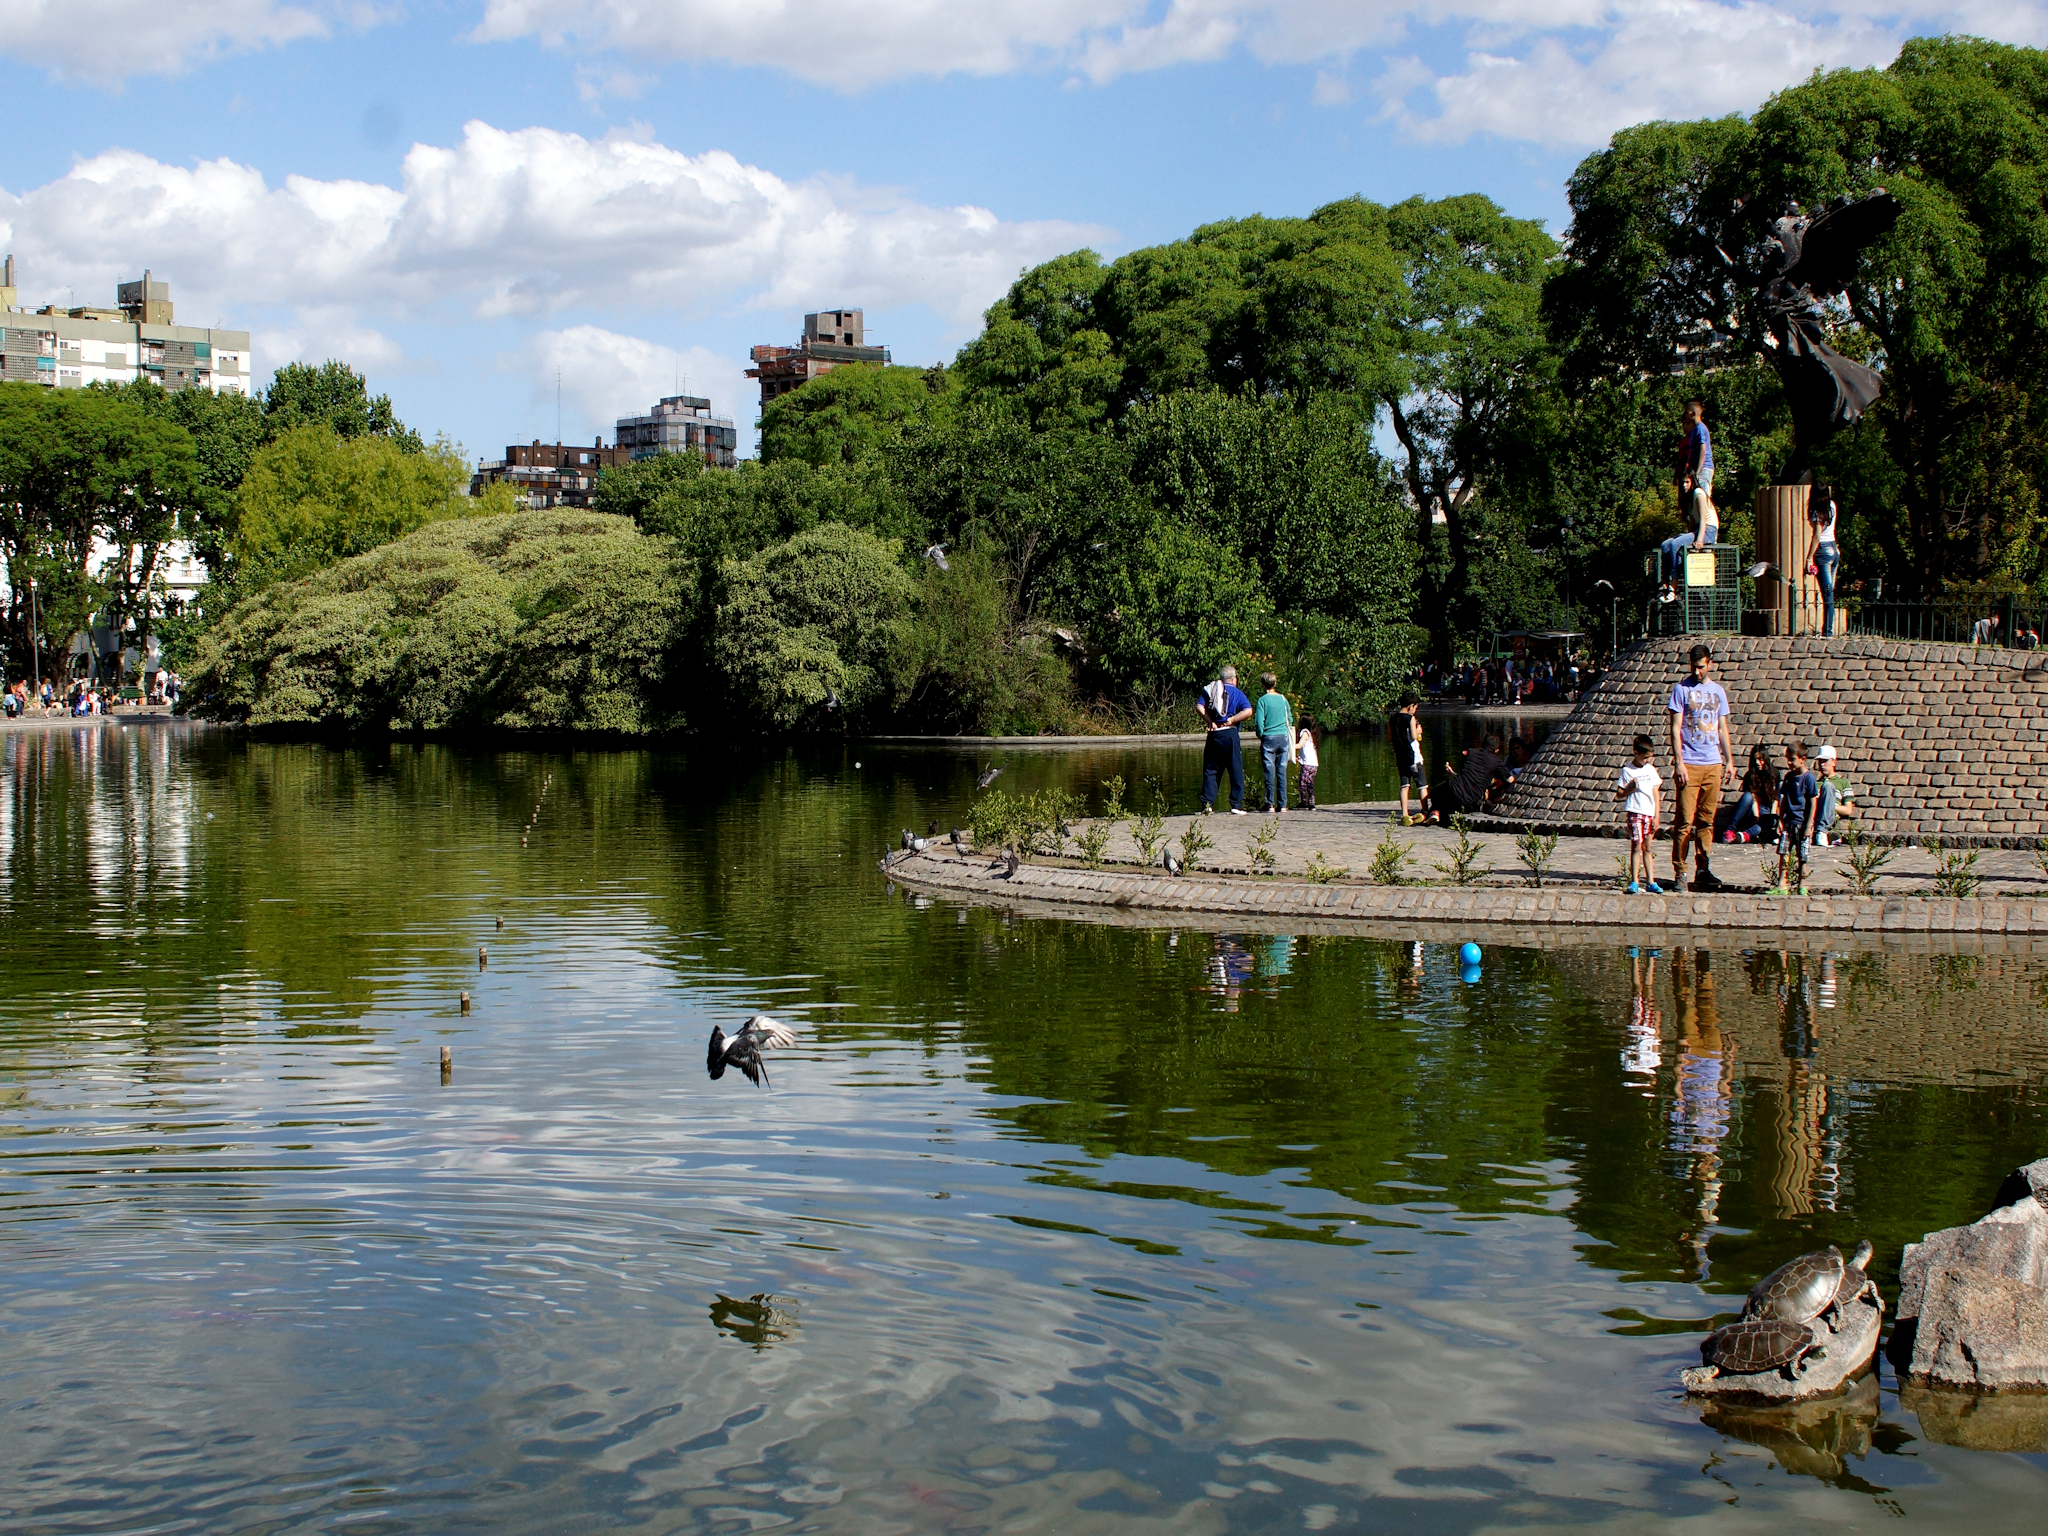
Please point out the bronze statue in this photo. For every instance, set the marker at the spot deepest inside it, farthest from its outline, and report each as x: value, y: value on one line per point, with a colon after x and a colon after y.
x: 1810, y: 260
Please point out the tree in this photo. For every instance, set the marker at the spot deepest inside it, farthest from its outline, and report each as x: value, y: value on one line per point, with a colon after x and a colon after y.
x: 226, y: 430
x: 852, y: 413
x: 1042, y: 353
x: 83, y: 473
x: 336, y: 396
x: 1948, y: 306
x: 817, y: 612
x: 311, y: 498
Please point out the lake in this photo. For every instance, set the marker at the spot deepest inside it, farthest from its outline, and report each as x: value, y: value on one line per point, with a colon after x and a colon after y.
x: 1041, y: 1225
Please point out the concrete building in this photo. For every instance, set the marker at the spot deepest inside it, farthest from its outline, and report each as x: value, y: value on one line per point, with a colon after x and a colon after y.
x: 549, y: 474
x: 70, y: 348
x: 680, y: 424
x: 832, y: 338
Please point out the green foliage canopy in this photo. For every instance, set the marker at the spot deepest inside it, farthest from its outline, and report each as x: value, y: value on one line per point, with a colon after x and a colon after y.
x: 852, y: 413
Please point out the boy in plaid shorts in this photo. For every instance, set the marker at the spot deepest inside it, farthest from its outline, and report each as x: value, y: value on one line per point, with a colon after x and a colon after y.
x: 1638, y: 784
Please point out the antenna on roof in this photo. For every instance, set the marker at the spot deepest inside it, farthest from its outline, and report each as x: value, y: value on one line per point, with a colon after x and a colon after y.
x: 558, y: 407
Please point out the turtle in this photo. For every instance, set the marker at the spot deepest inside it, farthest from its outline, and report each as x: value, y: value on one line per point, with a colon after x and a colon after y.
x: 1800, y: 1289
x: 1856, y: 1283
x: 1757, y: 1344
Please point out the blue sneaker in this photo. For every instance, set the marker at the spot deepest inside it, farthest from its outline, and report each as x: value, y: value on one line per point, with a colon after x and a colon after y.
x: 1656, y: 889
x: 1634, y: 889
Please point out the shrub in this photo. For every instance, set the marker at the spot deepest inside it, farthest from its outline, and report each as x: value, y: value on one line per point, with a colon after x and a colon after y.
x: 1462, y: 867
x: 555, y: 619
x: 1391, y: 858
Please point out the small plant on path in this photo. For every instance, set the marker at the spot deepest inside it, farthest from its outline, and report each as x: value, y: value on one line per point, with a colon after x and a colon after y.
x: 1260, y: 846
x: 1321, y: 871
x: 1955, y: 870
x: 1193, y: 844
x: 1867, y: 858
x: 1391, y: 858
x: 1536, y: 849
x: 1463, y: 866
x: 1091, y: 843
x: 1113, y: 800
x: 1148, y: 831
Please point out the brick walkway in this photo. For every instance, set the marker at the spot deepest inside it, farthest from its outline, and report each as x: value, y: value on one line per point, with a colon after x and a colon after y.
x: 1346, y: 835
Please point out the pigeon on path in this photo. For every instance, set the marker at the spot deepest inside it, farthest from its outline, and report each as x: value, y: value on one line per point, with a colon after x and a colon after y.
x: 1173, y: 865
x: 743, y: 1050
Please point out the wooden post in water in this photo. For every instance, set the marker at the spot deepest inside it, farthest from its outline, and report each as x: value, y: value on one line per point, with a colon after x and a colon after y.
x: 1787, y: 600
x: 483, y: 957
x: 465, y: 1003
x: 447, y: 1064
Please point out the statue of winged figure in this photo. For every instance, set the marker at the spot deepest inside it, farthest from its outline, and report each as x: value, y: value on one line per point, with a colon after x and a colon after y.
x: 1810, y: 259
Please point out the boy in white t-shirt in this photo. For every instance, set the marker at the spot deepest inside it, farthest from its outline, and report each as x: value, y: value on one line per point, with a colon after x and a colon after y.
x: 1638, y: 784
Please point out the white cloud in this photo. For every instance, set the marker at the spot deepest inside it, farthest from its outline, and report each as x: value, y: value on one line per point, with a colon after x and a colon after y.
x: 606, y: 375
x: 1549, y: 71
x: 107, y: 41
x: 527, y: 222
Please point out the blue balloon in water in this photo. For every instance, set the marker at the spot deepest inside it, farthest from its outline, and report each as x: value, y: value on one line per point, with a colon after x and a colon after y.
x: 1469, y: 955
x: 1469, y: 975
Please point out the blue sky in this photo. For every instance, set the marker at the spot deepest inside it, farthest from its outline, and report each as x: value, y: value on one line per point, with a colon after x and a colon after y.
x: 465, y: 197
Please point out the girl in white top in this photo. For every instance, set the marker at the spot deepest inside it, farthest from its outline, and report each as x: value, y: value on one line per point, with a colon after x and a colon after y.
x: 1305, y: 754
x: 1638, y: 783
x: 1822, y: 512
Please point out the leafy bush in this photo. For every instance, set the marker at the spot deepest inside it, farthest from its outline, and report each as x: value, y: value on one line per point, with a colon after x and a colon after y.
x: 1193, y: 844
x: 553, y: 619
x: 1391, y: 857
x: 821, y: 610
x: 1536, y: 849
x: 1462, y: 867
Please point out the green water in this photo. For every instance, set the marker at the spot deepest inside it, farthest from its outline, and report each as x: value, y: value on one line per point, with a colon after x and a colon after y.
x: 1041, y: 1226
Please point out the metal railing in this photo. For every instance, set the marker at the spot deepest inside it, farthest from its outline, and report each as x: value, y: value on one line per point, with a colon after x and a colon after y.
x: 2011, y: 620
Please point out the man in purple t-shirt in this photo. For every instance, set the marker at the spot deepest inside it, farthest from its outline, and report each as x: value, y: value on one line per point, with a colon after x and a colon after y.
x: 1703, y: 751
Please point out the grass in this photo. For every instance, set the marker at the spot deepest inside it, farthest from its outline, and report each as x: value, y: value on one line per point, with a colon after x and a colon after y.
x: 1321, y: 871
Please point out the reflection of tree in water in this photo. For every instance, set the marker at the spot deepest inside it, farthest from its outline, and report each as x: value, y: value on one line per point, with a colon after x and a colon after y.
x: 757, y: 1321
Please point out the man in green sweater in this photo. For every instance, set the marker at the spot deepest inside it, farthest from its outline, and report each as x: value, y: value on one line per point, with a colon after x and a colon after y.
x: 1274, y: 723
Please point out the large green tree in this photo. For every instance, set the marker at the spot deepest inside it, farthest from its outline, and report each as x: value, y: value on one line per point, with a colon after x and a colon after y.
x: 92, y: 491
x: 333, y: 395
x: 1950, y: 306
x: 852, y: 413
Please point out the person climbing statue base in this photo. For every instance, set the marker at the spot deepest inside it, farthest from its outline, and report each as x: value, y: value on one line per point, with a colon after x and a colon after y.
x: 1705, y: 757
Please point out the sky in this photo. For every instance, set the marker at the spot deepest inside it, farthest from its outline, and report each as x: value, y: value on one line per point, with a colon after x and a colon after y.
x: 524, y: 216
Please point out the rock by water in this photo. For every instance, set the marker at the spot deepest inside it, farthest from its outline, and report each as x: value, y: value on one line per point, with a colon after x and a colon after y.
x: 1849, y: 1346
x: 1973, y: 1301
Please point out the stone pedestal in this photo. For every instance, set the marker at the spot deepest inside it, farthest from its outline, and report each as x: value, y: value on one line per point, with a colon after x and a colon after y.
x: 1787, y: 600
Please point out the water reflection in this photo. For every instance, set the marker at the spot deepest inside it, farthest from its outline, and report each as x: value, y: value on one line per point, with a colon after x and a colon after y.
x: 1039, y: 1221
x: 1816, y: 1439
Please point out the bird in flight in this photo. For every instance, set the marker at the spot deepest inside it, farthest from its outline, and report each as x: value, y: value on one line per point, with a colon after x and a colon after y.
x: 988, y: 777
x: 937, y: 555
x: 831, y: 698
x: 743, y: 1050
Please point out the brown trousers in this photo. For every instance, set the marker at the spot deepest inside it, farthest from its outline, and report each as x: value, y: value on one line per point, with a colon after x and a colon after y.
x: 1698, y: 800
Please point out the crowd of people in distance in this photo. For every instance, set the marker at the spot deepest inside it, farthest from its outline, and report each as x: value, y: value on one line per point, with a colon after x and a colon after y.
x: 1502, y: 680
x: 82, y: 698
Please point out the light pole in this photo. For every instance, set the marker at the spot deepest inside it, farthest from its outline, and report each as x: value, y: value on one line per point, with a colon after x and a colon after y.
x: 1613, y: 622
x: 35, y: 638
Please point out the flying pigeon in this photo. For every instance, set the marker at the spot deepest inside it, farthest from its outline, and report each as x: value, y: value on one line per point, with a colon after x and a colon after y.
x: 988, y: 777
x: 937, y: 555
x: 743, y: 1050
x: 832, y: 700
x: 1173, y: 865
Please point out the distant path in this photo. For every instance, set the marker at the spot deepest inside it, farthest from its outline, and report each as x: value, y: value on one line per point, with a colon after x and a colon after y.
x: 147, y: 716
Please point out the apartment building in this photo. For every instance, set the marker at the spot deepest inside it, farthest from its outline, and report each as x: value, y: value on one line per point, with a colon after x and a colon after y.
x: 137, y: 338
x: 832, y: 338
x: 680, y: 424
x: 549, y: 474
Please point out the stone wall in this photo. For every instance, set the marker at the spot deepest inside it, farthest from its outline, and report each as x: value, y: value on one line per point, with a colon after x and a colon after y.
x: 1948, y: 741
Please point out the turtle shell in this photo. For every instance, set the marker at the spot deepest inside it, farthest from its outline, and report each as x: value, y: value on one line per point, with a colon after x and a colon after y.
x: 1799, y: 1290
x: 1756, y: 1344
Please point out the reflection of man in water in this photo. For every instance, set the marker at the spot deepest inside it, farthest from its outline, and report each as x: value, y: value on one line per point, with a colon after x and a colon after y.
x: 1642, y: 1054
x: 1802, y: 1154
x: 1699, y: 1112
x: 1230, y: 969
